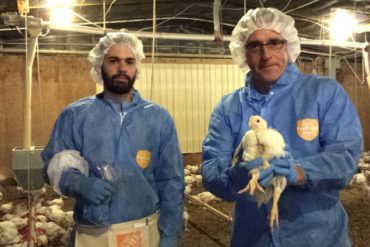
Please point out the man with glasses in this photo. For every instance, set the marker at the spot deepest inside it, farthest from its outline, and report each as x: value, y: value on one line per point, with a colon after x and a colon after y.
x: 320, y: 126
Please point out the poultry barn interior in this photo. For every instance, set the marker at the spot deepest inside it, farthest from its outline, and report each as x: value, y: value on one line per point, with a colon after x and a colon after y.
x: 188, y: 67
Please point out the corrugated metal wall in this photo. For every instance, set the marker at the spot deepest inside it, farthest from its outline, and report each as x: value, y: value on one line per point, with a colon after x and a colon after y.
x: 189, y: 89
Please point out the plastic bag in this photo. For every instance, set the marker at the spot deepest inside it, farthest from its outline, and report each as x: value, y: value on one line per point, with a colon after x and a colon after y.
x: 99, y: 214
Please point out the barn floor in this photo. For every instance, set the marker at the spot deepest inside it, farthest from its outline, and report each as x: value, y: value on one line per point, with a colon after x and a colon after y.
x: 207, y: 230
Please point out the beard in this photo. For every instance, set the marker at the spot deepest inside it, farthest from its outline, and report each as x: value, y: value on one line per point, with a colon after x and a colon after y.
x: 118, y: 86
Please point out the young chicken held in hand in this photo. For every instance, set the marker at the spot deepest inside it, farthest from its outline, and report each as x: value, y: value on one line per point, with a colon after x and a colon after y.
x: 265, y: 143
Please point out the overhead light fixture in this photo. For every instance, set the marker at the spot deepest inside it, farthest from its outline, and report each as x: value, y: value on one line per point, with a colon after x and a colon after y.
x: 342, y: 25
x: 60, y: 11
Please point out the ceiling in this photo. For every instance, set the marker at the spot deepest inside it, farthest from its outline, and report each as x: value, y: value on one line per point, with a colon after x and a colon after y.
x: 183, y: 27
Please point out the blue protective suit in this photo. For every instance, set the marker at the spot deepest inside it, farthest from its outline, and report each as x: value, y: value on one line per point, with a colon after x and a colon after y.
x: 93, y: 126
x: 309, y: 215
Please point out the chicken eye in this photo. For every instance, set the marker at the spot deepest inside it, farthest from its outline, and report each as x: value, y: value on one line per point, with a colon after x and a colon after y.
x: 258, y: 120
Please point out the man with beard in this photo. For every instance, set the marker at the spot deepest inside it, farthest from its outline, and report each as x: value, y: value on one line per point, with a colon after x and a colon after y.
x: 118, y: 155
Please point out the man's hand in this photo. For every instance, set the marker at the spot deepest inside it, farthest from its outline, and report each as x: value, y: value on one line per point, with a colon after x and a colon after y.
x: 95, y: 190
x: 285, y: 167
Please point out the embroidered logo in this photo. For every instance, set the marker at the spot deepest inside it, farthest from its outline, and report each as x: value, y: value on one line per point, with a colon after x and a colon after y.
x: 308, y: 128
x: 143, y: 158
x: 130, y: 239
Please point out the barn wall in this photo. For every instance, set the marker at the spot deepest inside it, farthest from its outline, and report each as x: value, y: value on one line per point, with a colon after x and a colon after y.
x: 56, y: 83
x: 359, y: 92
x: 188, y: 88
x: 351, y: 78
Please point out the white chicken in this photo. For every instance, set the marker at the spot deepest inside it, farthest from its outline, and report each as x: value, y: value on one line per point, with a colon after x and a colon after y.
x: 194, y: 169
x: 207, y: 197
x: 6, y: 208
x: 189, y: 180
x: 57, y: 201
x: 57, y: 215
x: 187, y: 190
x: 9, y: 233
x: 198, y: 179
x: 187, y: 172
x: 360, y: 179
x: 265, y: 143
x: 185, y: 217
x: 54, y: 232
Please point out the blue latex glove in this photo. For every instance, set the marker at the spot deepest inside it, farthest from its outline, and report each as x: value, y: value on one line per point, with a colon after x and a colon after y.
x: 249, y: 165
x: 266, y: 175
x: 95, y: 190
x: 285, y: 167
x: 240, y: 173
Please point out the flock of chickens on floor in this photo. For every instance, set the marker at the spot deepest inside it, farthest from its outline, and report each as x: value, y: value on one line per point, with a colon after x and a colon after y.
x: 53, y: 224
x: 363, y: 176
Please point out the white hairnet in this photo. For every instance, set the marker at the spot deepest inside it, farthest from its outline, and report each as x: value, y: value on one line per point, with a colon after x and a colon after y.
x: 96, y: 55
x: 263, y: 18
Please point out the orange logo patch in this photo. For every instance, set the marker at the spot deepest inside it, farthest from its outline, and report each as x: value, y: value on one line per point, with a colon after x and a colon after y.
x: 308, y: 128
x: 130, y: 239
x: 143, y: 158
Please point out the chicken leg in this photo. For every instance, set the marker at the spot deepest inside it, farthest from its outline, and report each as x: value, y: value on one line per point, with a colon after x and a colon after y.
x: 279, y: 183
x: 253, y: 182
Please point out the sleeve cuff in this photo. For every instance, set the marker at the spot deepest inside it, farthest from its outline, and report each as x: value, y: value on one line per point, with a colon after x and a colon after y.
x: 62, y: 162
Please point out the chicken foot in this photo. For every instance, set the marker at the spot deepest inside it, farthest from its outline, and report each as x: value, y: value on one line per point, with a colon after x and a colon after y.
x: 278, y: 185
x: 253, y: 183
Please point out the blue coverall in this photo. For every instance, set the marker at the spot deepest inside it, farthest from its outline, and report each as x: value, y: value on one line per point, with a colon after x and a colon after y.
x: 323, y: 133
x: 93, y: 127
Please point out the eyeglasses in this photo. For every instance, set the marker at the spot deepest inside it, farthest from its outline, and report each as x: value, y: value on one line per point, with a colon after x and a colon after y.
x: 272, y: 44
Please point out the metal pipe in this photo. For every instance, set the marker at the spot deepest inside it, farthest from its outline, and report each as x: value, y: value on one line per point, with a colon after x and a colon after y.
x: 362, y: 28
x: 32, y: 237
x: 158, y: 19
x: 70, y: 52
x: 158, y: 54
x: 182, y: 36
x: 28, y: 91
x: 104, y: 15
x: 327, y: 42
x: 209, y: 207
x: 199, y: 37
x: 301, y: 6
x: 216, y: 18
x: 100, y: 31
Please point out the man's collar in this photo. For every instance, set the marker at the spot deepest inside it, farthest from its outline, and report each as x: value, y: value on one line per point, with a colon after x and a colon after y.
x: 287, y: 78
